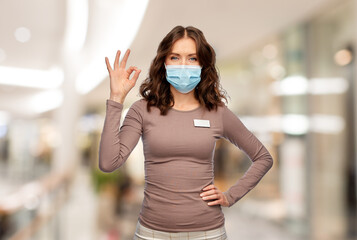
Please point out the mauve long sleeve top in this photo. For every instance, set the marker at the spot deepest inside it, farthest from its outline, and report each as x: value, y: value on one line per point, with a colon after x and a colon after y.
x: 179, y: 161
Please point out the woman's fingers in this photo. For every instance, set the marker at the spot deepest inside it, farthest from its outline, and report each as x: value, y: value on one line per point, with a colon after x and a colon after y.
x: 125, y: 59
x: 213, y: 193
x: 223, y: 202
x: 108, y: 65
x: 136, y: 75
x: 116, y: 62
x: 209, y: 192
x: 131, y: 70
x: 209, y: 187
x: 121, y: 79
x: 215, y: 202
x: 210, y: 196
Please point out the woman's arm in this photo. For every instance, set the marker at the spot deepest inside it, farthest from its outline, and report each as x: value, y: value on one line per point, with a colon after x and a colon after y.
x: 117, y: 144
x: 262, y: 161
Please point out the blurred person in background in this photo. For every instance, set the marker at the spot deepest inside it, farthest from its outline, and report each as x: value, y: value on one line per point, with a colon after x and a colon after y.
x: 180, y: 116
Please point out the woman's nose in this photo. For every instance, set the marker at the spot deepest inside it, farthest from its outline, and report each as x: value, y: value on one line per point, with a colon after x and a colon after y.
x: 183, y: 62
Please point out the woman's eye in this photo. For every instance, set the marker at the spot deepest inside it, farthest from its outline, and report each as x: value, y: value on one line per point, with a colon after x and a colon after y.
x: 193, y: 59
x: 174, y: 58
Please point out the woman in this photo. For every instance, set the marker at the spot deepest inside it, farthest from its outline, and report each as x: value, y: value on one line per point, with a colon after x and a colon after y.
x: 179, y: 118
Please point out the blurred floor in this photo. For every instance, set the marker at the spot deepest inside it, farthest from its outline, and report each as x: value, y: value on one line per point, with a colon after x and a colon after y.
x: 85, y: 212
x: 80, y: 212
x: 242, y: 226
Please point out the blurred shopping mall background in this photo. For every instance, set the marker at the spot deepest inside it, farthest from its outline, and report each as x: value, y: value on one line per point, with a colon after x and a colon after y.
x: 290, y: 71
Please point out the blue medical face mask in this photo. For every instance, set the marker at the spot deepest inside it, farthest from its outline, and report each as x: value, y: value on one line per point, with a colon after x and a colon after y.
x: 183, y: 77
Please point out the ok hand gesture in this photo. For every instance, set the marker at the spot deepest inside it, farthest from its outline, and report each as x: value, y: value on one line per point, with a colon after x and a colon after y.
x: 120, y: 84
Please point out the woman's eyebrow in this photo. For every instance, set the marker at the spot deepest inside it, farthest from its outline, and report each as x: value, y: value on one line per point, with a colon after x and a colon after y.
x: 191, y: 54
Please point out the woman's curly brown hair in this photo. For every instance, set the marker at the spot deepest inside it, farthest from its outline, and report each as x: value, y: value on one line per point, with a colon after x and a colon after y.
x: 156, y: 89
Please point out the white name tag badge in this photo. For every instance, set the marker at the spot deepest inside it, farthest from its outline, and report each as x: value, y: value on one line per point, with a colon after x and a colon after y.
x: 201, y: 123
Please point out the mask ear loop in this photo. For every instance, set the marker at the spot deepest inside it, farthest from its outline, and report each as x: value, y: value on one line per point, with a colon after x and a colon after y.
x: 200, y: 76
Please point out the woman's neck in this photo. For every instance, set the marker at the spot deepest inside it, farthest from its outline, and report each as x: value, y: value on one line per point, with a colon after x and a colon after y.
x: 184, y: 101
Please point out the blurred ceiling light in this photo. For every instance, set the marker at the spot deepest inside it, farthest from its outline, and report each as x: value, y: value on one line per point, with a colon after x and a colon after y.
x: 46, y: 101
x: 91, y: 77
x: 22, y: 34
x: 292, y: 85
x: 319, y: 86
x: 270, y: 51
x: 276, y: 71
x: 2, y: 55
x: 329, y: 124
x: 126, y: 23
x: 343, y: 57
x: 295, y: 124
x: 33, y: 78
x: 76, y: 25
x: 298, y: 85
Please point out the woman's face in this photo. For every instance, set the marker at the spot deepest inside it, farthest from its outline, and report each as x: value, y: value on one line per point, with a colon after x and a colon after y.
x: 183, y: 52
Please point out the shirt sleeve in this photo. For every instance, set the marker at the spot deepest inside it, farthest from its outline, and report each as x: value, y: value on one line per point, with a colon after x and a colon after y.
x: 116, y: 143
x: 236, y: 132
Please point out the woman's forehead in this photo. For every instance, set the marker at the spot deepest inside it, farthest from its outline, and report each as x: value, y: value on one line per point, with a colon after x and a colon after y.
x: 184, y: 45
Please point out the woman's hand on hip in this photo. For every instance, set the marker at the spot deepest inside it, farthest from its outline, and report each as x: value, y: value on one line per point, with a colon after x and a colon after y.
x: 120, y: 81
x: 211, y: 192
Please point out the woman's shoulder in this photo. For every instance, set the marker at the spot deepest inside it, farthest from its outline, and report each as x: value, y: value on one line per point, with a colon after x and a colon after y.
x: 224, y: 111
x: 139, y: 104
x: 141, y: 101
x: 221, y: 108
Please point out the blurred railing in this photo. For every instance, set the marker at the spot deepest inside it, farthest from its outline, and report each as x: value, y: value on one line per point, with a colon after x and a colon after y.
x: 25, y: 211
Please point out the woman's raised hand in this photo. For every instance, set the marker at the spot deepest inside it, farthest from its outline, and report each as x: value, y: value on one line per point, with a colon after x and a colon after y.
x: 120, y: 84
